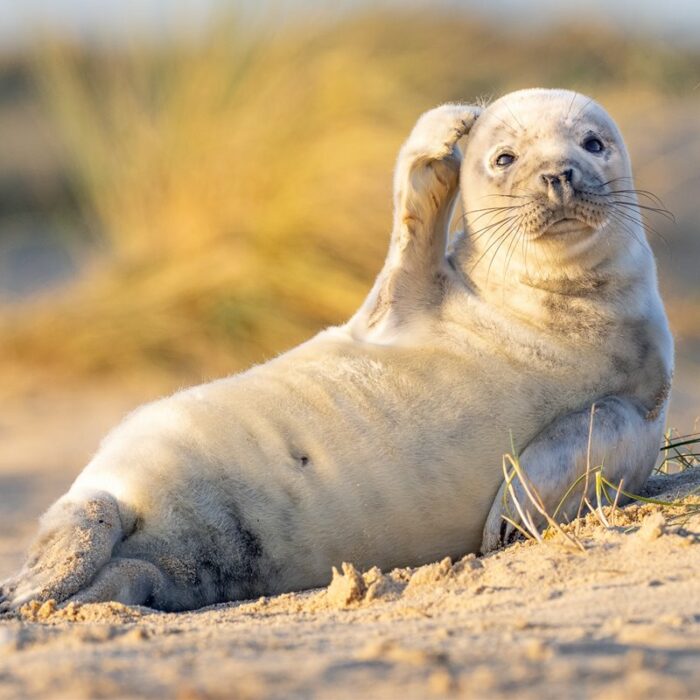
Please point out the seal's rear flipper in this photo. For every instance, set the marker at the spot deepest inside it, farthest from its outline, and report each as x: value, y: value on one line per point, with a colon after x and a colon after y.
x: 75, y: 540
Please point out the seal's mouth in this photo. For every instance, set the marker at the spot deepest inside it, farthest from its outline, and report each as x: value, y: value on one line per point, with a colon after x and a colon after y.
x: 535, y: 217
x: 566, y: 224
x: 581, y: 216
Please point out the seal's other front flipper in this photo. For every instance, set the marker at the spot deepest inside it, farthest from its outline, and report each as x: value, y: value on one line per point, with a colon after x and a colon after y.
x: 624, y: 441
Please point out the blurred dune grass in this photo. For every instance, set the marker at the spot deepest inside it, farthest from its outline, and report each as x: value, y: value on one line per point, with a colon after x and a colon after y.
x: 239, y: 184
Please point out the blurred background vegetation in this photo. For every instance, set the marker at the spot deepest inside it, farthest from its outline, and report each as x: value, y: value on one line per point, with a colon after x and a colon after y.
x: 174, y: 208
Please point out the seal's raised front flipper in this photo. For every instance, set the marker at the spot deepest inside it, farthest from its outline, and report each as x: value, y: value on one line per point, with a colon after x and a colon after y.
x: 75, y: 541
x: 426, y: 181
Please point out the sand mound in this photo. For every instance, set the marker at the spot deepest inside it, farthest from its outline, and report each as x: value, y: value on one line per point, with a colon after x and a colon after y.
x: 35, y: 611
x: 351, y: 589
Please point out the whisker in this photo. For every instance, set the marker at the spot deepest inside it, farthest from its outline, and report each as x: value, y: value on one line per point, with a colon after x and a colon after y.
x: 548, y: 255
x: 513, y: 131
x: 493, y: 212
x: 643, y: 193
x: 625, y: 219
x: 643, y: 223
x: 536, y: 250
x: 615, y: 179
x: 475, y: 235
x: 498, y: 235
x: 658, y: 210
x: 571, y: 104
x: 488, y: 209
x: 491, y: 223
x: 630, y: 210
x: 496, y: 241
x: 509, y: 231
x: 533, y: 247
x: 509, y: 255
x: 526, y: 250
x: 624, y: 223
x: 579, y: 114
x: 487, y: 223
x: 517, y: 121
x: 513, y: 196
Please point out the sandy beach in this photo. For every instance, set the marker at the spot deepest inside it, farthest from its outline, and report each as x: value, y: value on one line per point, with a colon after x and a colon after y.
x: 534, y: 620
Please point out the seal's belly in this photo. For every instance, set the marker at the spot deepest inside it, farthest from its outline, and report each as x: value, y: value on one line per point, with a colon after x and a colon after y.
x: 358, y: 462
x: 373, y: 480
x: 372, y: 455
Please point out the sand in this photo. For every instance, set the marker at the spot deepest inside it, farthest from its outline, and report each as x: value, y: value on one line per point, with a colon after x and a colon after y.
x: 620, y: 620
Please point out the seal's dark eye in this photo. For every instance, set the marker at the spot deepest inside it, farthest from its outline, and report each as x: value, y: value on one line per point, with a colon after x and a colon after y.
x: 593, y: 144
x: 505, y: 159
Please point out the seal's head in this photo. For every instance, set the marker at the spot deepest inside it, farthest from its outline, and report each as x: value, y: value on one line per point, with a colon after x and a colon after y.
x: 547, y: 171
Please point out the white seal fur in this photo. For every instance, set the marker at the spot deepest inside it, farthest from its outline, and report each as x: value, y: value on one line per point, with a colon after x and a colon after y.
x: 380, y: 441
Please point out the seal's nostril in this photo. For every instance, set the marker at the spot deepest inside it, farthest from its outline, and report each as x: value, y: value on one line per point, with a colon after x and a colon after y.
x: 551, y: 180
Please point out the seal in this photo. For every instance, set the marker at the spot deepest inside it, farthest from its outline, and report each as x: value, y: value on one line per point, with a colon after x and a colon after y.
x: 381, y: 441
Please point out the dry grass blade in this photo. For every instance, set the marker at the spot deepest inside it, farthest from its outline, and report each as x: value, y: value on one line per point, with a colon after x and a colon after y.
x: 604, y: 490
x: 600, y: 514
x: 588, y: 468
x: 535, y: 500
x: 679, y: 452
x: 618, y: 491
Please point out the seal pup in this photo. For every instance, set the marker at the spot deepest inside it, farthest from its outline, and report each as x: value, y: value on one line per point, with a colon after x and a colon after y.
x: 380, y: 441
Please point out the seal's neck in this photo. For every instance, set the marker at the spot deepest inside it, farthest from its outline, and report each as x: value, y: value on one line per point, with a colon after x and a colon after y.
x: 543, y: 285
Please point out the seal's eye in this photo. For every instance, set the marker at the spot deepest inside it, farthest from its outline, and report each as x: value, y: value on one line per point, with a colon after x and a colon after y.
x: 504, y: 159
x: 593, y: 145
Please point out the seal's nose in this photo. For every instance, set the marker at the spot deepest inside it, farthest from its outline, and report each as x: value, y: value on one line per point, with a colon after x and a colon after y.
x: 559, y: 186
x: 551, y: 180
